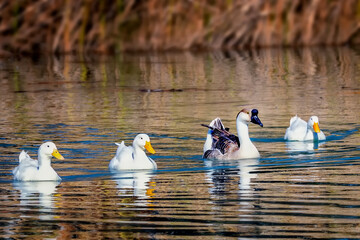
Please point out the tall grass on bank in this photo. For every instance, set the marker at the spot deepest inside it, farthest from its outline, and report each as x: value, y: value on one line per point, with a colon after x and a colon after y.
x: 58, y: 26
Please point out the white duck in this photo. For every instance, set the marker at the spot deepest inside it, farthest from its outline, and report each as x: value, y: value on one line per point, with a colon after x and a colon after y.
x: 133, y: 157
x: 38, y: 170
x: 299, y: 130
x: 221, y: 144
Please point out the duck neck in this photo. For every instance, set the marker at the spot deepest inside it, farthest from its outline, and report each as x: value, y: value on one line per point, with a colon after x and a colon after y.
x: 44, y: 161
x: 243, y: 132
x: 310, y: 134
x: 315, y: 136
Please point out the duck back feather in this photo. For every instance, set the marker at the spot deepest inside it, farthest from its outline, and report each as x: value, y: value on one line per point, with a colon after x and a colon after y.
x: 222, y: 140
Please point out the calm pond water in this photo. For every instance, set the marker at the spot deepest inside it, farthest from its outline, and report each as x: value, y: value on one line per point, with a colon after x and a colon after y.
x: 85, y: 104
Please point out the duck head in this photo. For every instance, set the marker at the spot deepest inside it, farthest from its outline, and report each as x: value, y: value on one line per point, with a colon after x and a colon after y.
x: 49, y: 149
x: 143, y: 141
x: 313, y: 124
x: 246, y: 116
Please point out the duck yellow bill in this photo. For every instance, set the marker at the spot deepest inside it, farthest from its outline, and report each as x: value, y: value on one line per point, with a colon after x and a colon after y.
x: 316, y: 127
x: 57, y: 155
x: 149, y: 147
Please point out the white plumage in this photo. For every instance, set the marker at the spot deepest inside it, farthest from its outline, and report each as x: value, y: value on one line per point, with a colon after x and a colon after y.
x: 299, y: 130
x: 38, y: 170
x: 221, y: 144
x: 133, y: 157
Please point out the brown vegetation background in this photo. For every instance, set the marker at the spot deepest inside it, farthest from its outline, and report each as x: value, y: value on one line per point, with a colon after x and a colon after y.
x: 58, y: 26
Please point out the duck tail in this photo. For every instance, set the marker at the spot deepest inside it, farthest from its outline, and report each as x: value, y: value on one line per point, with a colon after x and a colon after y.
x: 216, y: 123
x: 293, y: 119
x: 120, y: 147
x: 23, y: 155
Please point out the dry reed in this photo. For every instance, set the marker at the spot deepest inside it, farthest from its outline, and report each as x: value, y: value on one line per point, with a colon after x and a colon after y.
x: 57, y: 26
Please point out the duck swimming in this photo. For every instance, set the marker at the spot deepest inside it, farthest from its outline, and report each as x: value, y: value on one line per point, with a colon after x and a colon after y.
x: 38, y: 170
x: 299, y: 130
x: 133, y: 157
x: 221, y: 144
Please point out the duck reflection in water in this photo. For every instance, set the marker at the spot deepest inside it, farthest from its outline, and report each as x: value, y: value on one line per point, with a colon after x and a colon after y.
x: 306, y: 146
x: 232, y: 192
x: 38, y: 194
x: 221, y: 173
x: 138, y: 182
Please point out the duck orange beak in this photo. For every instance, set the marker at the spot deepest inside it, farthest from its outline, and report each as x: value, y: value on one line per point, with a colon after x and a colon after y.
x: 316, y: 127
x: 57, y: 155
x: 149, y: 147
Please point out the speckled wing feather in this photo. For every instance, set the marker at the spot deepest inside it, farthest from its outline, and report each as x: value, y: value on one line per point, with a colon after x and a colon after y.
x: 223, y: 141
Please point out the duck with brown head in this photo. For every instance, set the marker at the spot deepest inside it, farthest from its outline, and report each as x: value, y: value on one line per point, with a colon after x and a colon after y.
x: 221, y: 144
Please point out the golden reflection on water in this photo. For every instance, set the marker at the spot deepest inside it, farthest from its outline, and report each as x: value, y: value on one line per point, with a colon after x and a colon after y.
x: 277, y: 82
x: 84, y: 104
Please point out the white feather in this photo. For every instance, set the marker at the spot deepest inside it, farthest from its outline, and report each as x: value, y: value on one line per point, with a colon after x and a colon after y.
x: 37, y: 170
x: 132, y: 157
x: 299, y: 130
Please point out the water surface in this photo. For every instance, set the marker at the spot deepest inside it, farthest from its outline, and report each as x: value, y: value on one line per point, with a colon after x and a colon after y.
x: 85, y: 104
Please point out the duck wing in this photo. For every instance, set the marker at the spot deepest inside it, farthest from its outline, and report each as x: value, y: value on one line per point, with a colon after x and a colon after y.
x: 123, y: 156
x: 27, y: 167
x: 26, y: 161
x: 120, y: 148
x: 23, y: 156
x: 297, y: 123
x: 222, y: 140
x: 297, y: 129
x: 212, y: 154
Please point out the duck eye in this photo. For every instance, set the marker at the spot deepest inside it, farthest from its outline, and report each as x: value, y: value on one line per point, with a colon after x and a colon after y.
x: 48, y: 146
